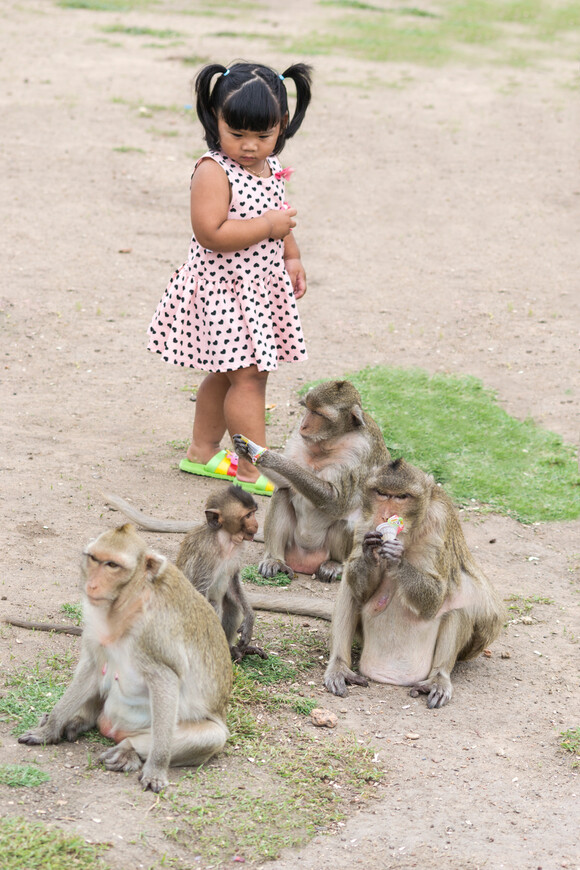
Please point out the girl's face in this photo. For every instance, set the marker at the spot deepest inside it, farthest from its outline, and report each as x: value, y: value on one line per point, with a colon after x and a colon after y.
x: 247, y: 147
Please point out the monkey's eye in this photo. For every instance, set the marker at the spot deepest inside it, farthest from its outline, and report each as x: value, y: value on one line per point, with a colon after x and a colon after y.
x: 113, y: 565
x: 402, y: 496
x: 91, y: 557
x: 382, y: 495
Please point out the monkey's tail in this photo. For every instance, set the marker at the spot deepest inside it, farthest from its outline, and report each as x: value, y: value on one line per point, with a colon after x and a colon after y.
x: 287, y: 602
x: 43, y: 626
x: 151, y: 524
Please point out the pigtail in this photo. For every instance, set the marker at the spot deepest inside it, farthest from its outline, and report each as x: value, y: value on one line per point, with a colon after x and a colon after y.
x: 300, y: 73
x: 205, y: 105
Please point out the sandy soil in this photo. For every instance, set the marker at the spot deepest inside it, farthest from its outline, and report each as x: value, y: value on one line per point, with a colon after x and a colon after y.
x: 438, y: 220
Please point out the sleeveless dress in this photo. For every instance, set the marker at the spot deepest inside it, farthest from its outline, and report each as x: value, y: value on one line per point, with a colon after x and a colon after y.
x: 226, y: 311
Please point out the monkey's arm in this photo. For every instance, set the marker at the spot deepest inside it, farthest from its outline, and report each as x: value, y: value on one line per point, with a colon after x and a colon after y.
x: 344, y: 625
x: 330, y: 497
x: 364, y: 569
x: 163, y: 684
x: 236, y: 594
x: 422, y: 591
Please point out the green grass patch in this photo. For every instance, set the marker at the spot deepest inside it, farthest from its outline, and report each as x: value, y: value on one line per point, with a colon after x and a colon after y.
x: 281, y: 789
x: 448, y: 32
x: 106, y: 5
x: 453, y: 428
x: 250, y: 574
x: 571, y: 743
x: 26, y: 846
x: 30, y: 693
x: 22, y: 775
x: 73, y: 611
x: 522, y: 606
x: 142, y: 31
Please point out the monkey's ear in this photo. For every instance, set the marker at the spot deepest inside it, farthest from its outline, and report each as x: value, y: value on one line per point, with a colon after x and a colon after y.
x: 213, y: 518
x: 155, y: 565
x: 357, y: 415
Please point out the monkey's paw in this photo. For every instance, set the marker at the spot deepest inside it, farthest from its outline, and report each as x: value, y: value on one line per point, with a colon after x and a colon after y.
x: 270, y: 567
x: 37, y: 736
x: 121, y: 757
x: 329, y: 571
x: 153, y: 779
x: 337, y: 679
x: 239, y: 651
x: 438, y: 690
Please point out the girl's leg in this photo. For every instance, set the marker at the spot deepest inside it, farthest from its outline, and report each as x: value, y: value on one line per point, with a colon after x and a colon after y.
x: 209, y: 424
x: 245, y: 412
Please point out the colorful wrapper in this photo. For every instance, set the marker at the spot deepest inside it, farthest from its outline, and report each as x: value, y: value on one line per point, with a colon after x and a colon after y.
x: 391, y: 528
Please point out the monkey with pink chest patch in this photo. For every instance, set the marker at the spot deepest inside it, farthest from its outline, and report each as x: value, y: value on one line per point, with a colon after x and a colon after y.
x: 319, y: 482
x: 154, y: 672
x: 419, y: 601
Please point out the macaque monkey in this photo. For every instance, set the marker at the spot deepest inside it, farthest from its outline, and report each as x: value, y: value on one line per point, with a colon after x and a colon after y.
x: 419, y: 602
x: 154, y: 673
x: 211, y: 556
x: 319, y: 480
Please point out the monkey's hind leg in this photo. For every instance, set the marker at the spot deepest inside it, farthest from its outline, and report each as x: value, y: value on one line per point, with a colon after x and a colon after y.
x: 454, y: 632
x: 193, y: 743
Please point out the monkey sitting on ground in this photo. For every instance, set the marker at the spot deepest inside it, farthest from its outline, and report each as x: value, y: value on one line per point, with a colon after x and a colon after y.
x: 154, y: 673
x: 319, y: 479
x: 420, y: 602
x: 211, y: 556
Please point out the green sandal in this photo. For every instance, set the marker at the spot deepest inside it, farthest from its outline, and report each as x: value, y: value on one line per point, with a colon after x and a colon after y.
x: 223, y: 465
x: 262, y: 486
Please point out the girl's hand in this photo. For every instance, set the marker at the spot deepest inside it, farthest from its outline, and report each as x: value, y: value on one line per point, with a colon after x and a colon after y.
x: 281, y: 222
x: 297, y: 275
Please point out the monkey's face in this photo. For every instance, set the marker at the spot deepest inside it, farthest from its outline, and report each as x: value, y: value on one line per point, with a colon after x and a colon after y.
x: 115, y: 559
x: 314, y: 425
x: 249, y: 525
x: 105, y: 572
x: 396, y: 488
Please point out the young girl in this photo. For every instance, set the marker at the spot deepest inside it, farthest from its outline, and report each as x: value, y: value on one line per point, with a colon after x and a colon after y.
x: 231, y: 309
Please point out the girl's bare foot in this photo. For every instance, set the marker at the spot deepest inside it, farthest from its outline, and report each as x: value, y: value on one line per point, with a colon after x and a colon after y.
x: 202, y: 453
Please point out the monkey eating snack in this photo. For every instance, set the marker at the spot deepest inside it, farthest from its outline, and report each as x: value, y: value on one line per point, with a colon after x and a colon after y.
x: 419, y: 601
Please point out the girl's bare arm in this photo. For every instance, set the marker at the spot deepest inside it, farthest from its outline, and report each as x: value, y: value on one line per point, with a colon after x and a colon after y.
x: 210, y: 202
x: 294, y: 266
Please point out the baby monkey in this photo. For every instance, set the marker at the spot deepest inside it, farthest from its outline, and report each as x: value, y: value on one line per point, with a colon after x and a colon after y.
x: 211, y: 557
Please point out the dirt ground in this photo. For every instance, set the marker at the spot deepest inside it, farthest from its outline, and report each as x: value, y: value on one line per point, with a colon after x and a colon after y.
x: 438, y: 222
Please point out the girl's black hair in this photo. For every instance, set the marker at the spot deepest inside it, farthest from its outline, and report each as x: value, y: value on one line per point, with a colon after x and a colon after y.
x: 249, y: 96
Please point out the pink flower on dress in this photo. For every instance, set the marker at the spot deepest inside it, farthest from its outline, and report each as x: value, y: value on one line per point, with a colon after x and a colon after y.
x: 284, y: 173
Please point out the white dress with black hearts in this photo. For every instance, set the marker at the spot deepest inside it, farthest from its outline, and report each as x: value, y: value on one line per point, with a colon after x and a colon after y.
x: 227, y: 311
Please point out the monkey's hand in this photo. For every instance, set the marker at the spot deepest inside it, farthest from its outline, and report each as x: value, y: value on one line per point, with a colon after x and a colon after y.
x: 371, y: 543
x: 40, y: 734
x: 248, y: 449
x: 154, y: 778
x: 337, y: 678
x: 392, y: 552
